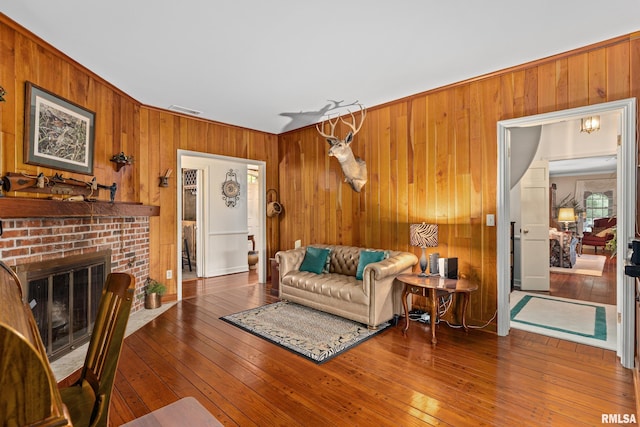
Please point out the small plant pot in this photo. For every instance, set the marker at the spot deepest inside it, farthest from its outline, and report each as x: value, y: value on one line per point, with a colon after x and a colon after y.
x: 152, y: 300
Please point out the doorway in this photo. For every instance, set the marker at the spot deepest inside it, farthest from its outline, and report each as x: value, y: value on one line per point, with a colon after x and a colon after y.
x: 626, y: 210
x: 221, y: 233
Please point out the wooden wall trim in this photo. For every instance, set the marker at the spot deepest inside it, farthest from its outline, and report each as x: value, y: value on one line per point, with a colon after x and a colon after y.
x: 520, y: 67
x: 433, y: 157
x: 59, y: 54
x: 202, y: 119
x: 150, y: 134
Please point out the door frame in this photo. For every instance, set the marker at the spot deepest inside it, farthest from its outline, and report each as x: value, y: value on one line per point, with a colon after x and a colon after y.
x: 626, y: 212
x: 261, y: 247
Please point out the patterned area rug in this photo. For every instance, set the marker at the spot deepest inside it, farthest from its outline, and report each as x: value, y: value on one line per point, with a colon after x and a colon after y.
x: 572, y: 320
x: 312, y: 334
x: 586, y: 264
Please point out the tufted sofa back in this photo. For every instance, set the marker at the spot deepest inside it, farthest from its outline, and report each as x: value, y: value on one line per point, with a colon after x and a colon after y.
x: 343, y: 259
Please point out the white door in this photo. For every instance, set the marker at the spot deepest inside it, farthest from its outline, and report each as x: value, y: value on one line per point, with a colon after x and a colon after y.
x: 534, y: 234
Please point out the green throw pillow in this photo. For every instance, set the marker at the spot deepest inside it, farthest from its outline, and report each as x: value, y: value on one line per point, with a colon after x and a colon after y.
x: 314, y: 260
x: 367, y: 257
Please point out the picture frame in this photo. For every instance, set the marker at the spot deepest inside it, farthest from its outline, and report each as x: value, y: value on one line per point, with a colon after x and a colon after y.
x: 59, y: 134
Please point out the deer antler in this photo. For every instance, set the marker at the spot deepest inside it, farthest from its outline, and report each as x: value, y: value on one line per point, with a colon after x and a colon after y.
x: 333, y: 128
x: 351, y: 125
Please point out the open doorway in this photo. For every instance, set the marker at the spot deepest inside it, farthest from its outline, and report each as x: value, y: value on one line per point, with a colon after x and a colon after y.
x: 190, y: 264
x: 220, y: 232
x: 570, y: 164
x: 626, y: 209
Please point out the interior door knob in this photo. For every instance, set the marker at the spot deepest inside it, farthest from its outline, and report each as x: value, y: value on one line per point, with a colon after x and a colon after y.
x: 525, y: 231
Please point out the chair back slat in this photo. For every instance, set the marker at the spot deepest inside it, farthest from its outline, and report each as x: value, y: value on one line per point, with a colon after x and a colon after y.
x: 106, y: 341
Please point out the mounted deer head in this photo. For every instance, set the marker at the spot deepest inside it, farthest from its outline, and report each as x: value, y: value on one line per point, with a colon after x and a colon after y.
x: 353, y: 168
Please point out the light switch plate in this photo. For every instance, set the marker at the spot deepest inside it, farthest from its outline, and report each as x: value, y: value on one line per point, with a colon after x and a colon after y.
x: 491, y: 220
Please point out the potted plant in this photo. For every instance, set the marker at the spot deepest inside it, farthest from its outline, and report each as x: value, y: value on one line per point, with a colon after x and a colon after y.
x: 612, y: 245
x: 153, y: 291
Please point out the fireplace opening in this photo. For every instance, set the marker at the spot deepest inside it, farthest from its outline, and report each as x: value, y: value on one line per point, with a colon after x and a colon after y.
x: 64, y: 295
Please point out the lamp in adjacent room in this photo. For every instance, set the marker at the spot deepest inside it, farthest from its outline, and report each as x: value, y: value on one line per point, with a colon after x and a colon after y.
x: 590, y: 124
x: 566, y: 215
x: 423, y: 236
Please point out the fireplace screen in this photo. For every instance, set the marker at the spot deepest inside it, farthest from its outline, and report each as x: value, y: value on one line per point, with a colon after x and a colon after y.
x: 64, y: 304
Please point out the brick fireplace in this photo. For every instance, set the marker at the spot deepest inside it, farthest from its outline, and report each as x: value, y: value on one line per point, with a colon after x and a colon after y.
x: 63, y: 251
x: 31, y: 240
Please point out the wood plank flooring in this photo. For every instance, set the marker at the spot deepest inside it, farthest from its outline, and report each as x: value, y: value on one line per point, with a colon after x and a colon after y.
x: 469, y: 379
x: 600, y: 289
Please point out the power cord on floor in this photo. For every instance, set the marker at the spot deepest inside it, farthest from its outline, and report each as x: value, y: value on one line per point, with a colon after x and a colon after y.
x: 473, y: 326
x: 443, y: 307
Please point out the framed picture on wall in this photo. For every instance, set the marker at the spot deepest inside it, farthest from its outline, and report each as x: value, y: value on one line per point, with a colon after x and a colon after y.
x: 58, y: 133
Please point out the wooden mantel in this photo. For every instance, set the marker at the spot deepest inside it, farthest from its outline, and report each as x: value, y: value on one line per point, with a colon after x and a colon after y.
x: 23, y: 207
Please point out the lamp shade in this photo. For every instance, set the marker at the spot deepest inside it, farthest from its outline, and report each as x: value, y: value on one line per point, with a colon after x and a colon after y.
x: 566, y: 215
x: 423, y: 235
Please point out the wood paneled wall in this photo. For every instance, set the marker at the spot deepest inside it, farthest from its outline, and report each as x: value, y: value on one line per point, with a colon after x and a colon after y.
x: 27, y: 58
x: 432, y: 157
x: 152, y: 136
x: 163, y: 133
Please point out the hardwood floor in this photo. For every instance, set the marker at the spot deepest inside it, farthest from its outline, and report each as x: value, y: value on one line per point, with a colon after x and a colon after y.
x: 600, y: 289
x: 469, y: 379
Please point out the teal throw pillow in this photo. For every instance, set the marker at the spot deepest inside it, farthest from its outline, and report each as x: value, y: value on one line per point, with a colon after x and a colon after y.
x: 314, y: 260
x: 367, y: 257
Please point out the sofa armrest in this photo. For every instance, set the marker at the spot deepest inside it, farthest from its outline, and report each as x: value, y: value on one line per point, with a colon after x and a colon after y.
x: 290, y: 260
x: 392, y: 266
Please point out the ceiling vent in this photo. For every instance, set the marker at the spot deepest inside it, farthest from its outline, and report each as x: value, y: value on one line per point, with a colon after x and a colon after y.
x: 185, y: 110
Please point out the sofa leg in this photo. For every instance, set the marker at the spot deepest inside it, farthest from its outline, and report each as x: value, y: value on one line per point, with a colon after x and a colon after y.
x: 372, y: 328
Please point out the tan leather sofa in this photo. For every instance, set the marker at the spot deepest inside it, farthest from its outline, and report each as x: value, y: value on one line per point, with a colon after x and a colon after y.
x: 372, y: 300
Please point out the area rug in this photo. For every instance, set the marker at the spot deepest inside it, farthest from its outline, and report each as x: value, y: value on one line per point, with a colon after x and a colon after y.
x: 312, y: 334
x: 572, y: 320
x: 586, y: 264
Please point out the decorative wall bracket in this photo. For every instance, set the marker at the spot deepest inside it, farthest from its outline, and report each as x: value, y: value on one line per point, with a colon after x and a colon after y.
x: 164, y: 180
x: 231, y: 189
x: 121, y: 160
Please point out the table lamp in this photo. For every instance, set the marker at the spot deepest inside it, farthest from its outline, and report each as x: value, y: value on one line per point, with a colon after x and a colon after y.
x: 566, y: 215
x: 424, y: 236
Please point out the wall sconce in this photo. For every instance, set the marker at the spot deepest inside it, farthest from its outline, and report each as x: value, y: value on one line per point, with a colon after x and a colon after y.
x: 590, y: 124
x: 424, y: 236
x: 164, y: 180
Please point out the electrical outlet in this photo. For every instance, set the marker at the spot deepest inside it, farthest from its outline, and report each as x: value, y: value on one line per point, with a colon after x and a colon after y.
x: 169, y: 274
x: 297, y: 244
x: 491, y: 220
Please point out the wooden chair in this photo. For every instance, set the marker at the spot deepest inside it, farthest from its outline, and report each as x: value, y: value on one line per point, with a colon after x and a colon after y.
x: 88, y: 399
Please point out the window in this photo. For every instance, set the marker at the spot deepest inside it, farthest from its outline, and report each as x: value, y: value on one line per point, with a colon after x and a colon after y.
x: 598, y: 205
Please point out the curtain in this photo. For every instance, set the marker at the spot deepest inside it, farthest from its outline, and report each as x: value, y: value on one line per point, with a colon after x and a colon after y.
x: 584, y: 188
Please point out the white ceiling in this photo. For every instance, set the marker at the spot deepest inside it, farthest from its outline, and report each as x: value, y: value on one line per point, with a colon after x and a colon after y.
x: 273, y: 65
x: 583, y: 166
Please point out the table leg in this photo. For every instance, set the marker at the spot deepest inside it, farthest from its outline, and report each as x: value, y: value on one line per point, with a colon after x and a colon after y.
x: 465, y: 303
x: 434, y: 314
x: 405, y: 292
